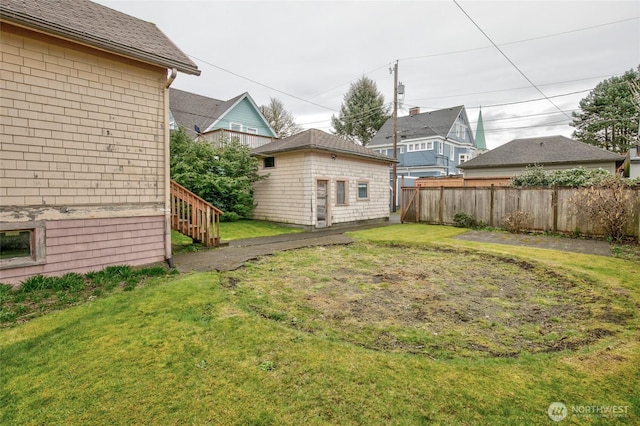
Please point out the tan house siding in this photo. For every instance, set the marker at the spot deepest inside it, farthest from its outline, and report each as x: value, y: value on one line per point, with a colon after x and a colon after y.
x: 289, y: 194
x: 285, y: 196
x: 354, y: 170
x: 82, y: 137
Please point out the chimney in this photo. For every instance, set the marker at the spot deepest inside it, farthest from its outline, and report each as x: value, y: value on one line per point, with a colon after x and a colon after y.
x: 414, y: 111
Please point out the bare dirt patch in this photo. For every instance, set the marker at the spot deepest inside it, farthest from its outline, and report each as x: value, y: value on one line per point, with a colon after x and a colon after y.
x: 440, y: 303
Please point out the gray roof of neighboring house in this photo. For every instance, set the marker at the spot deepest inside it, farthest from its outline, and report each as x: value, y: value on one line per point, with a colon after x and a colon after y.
x: 318, y: 140
x: 541, y: 151
x: 189, y: 109
x: 426, y: 124
x: 98, y: 26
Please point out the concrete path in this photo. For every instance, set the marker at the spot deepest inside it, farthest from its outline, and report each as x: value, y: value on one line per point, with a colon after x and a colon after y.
x: 238, y: 252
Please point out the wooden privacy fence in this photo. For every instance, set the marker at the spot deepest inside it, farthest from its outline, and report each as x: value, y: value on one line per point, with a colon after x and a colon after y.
x: 194, y: 217
x: 549, y: 209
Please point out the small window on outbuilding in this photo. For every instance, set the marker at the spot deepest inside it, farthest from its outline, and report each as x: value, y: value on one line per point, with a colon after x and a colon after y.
x: 363, y: 190
x: 269, y: 162
x: 341, y: 192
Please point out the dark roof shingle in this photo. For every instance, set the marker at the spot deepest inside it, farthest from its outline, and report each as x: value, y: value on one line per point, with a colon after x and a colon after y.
x: 319, y: 140
x: 189, y: 109
x: 541, y: 151
x: 426, y: 124
x: 99, y: 26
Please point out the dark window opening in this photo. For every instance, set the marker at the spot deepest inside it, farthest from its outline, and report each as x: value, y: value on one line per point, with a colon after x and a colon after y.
x: 269, y: 162
x: 341, y: 193
x: 14, y: 244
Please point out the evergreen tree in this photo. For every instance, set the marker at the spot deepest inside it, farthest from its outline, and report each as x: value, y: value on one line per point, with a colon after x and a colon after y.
x: 223, y: 176
x: 362, y: 113
x: 282, y: 122
x: 608, y: 117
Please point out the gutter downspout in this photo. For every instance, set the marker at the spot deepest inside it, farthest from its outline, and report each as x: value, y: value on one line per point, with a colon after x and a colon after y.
x: 167, y: 173
x: 174, y: 73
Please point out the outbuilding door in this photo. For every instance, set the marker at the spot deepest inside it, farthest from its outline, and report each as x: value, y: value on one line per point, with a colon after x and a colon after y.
x: 321, y: 205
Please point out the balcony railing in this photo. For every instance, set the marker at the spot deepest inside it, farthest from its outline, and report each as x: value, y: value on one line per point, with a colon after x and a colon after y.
x: 221, y: 136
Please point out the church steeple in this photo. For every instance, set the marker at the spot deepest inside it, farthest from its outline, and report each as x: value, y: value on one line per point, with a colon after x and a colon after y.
x: 480, y: 142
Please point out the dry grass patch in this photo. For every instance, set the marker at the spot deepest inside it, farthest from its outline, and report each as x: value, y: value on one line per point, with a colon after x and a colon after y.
x: 438, y: 302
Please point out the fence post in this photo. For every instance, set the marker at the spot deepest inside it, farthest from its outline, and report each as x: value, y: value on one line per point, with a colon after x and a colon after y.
x: 554, y: 206
x: 491, y: 206
x: 441, y: 205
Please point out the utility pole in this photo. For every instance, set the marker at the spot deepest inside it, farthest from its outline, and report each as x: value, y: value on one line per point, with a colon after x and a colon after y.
x: 395, y: 137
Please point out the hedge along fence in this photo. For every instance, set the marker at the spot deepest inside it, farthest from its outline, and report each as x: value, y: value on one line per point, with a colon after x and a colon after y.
x: 549, y: 209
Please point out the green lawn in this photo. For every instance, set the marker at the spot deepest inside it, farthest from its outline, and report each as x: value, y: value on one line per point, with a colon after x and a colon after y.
x: 253, y: 229
x: 239, y: 230
x: 257, y: 346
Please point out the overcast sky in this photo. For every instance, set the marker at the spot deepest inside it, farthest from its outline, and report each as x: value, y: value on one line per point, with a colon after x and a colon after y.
x: 307, y: 53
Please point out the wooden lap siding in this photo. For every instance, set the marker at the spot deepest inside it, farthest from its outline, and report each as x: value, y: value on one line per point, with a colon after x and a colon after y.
x: 82, y: 245
x: 82, y: 149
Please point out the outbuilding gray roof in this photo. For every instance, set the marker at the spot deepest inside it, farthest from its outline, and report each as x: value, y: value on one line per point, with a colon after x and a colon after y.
x: 541, y: 150
x: 98, y: 26
x: 318, y: 140
x: 426, y: 124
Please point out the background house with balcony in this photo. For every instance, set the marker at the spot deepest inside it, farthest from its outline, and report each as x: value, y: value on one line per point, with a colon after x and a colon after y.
x: 84, y: 177
x: 217, y: 121
x: 429, y: 144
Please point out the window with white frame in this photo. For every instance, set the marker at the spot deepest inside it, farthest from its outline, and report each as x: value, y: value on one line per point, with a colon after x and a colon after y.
x: 252, y: 130
x: 236, y: 127
x: 420, y: 146
x: 440, y: 148
x: 363, y: 190
x: 463, y: 158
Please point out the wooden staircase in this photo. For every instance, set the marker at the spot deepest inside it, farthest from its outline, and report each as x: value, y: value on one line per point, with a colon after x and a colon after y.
x: 194, y: 217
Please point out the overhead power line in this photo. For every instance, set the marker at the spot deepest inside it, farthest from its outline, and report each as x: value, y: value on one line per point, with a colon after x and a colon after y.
x: 508, y: 59
x: 520, y: 41
x: 261, y: 84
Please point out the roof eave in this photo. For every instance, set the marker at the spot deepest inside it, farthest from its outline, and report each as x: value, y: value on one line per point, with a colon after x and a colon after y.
x: 33, y: 23
x: 550, y: 163
x: 325, y: 149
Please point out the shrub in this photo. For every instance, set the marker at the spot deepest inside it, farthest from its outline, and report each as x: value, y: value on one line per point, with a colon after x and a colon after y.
x: 223, y: 175
x: 532, y: 176
x: 608, y: 203
x: 463, y: 220
x: 35, y: 283
x: 576, y: 177
x: 230, y: 217
x: 517, y: 222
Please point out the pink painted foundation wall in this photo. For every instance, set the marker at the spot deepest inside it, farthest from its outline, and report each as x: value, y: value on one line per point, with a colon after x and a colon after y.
x: 83, y: 245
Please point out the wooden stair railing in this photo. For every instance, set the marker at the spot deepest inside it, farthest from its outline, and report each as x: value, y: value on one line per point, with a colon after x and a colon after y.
x: 194, y: 217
